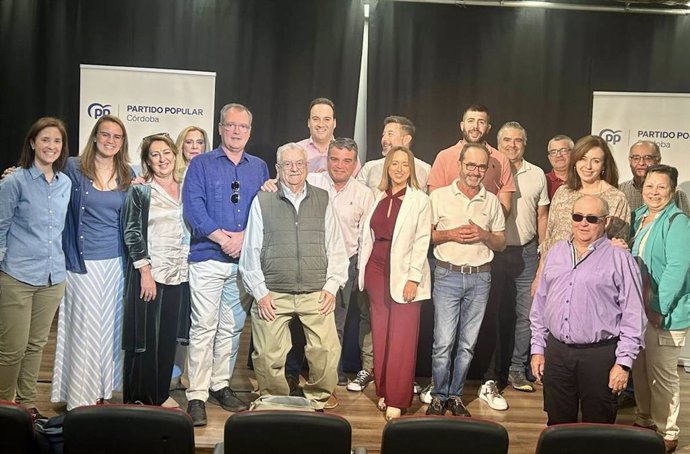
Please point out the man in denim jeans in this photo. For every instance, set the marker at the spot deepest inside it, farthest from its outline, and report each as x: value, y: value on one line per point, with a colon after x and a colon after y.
x: 467, y: 226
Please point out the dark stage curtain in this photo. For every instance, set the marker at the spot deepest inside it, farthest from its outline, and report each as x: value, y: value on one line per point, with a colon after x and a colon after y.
x: 274, y: 56
x: 538, y: 67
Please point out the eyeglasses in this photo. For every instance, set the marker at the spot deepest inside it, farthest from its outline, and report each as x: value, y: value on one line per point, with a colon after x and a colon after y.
x: 164, y: 134
x: 235, y: 197
x: 559, y: 151
x: 590, y: 218
x: 242, y: 127
x: 471, y: 166
x: 293, y: 164
x: 107, y: 136
x: 647, y: 159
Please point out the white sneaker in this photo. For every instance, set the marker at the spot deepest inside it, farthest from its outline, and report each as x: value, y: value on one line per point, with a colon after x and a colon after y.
x: 361, y: 381
x: 425, y: 395
x: 416, y: 388
x: 488, y: 392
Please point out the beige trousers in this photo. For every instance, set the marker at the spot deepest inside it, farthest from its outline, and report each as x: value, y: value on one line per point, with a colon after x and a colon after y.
x: 26, y: 313
x: 272, y: 343
x: 657, y: 384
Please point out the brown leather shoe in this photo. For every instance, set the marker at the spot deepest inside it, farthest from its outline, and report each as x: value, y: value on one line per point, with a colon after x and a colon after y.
x: 331, y: 403
x: 670, y: 445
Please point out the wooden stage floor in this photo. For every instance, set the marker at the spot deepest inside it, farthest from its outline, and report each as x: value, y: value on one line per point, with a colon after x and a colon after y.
x: 524, y: 420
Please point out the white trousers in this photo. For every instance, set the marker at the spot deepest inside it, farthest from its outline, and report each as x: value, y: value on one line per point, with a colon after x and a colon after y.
x: 218, y: 317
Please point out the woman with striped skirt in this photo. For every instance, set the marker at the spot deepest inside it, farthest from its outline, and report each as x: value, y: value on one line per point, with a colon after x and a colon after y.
x: 88, y: 356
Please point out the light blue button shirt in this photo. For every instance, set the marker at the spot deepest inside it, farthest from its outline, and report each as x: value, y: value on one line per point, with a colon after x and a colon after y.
x: 32, y: 217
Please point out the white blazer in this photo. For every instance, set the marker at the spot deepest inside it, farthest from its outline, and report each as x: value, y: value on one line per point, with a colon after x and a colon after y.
x: 411, y: 237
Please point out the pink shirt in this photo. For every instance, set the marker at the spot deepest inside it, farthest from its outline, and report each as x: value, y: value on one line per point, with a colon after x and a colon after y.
x: 317, y: 160
x: 498, y: 177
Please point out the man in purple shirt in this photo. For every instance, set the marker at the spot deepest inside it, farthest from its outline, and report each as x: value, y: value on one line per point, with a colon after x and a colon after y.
x: 218, y: 191
x: 587, y: 320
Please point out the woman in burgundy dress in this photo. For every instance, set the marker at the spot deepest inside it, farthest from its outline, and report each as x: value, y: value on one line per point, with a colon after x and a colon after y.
x: 394, y: 270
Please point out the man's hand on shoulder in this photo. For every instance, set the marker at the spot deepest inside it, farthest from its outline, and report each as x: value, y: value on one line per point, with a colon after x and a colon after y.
x: 8, y: 171
x: 270, y: 185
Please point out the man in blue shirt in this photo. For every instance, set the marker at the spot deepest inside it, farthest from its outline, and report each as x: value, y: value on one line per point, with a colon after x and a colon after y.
x: 218, y: 191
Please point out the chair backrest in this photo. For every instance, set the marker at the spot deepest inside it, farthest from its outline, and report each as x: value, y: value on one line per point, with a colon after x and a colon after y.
x: 281, y: 431
x: 111, y: 429
x: 440, y: 434
x: 16, y: 429
x: 599, y: 439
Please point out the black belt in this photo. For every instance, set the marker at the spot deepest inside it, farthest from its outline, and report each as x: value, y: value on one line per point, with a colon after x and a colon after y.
x: 601, y: 343
x: 464, y: 269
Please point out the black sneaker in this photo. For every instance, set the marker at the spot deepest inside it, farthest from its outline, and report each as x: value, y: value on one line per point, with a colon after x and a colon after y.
x: 227, y: 399
x: 361, y: 381
x: 197, y: 410
x: 342, y: 379
x: 436, y: 407
x: 456, y: 407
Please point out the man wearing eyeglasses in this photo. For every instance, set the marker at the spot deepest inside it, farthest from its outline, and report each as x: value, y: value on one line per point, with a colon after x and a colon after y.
x: 587, y: 320
x: 467, y: 228
x: 498, y: 179
x: 558, y: 151
x: 321, y: 123
x: 645, y: 153
x: 294, y: 262
x: 218, y: 191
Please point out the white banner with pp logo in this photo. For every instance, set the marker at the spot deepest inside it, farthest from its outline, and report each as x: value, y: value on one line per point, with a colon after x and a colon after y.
x: 624, y: 118
x: 147, y: 100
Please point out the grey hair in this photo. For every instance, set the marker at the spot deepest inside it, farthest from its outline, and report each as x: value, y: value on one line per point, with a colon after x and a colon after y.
x: 343, y: 143
x: 558, y: 137
x: 512, y: 125
x: 235, y: 106
x: 289, y: 146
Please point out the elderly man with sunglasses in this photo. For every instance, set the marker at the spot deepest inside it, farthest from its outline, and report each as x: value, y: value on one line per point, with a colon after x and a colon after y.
x: 218, y: 191
x: 587, y: 320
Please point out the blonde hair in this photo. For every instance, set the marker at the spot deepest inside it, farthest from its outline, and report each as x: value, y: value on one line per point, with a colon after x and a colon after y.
x: 386, y: 180
x: 146, y: 170
x: 121, y: 168
x: 183, y: 135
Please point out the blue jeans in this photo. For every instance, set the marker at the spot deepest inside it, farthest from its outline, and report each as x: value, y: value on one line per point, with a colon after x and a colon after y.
x: 512, y: 273
x: 459, y: 304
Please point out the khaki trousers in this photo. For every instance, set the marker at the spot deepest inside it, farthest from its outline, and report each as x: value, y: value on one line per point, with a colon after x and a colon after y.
x: 657, y: 384
x: 26, y: 313
x: 272, y: 343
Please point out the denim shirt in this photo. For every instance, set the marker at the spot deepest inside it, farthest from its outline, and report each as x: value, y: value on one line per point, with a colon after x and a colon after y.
x: 207, y: 194
x: 72, y: 242
x: 32, y: 217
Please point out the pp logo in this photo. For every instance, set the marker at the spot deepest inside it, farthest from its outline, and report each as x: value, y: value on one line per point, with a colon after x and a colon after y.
x: 97, y: 110
x: 611, y: 136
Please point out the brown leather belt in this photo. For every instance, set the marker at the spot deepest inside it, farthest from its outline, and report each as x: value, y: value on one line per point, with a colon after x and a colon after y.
x: 464, y: 269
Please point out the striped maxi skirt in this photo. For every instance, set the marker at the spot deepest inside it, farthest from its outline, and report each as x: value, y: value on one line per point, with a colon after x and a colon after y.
x: 88, y: 354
